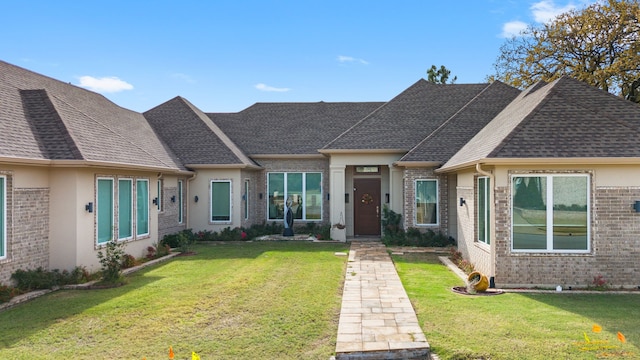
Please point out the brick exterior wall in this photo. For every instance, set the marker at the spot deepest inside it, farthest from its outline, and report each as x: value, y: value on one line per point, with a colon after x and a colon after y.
x: 168, y: 218
x: 27, y: 230
x: 410, y: 176
x: 615, y: 242
x: 292, y: 165
x: 478, y: 253
x: 257, y: 207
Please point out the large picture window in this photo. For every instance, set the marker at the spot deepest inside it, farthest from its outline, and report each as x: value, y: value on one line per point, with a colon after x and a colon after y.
x: 104, y: 210
x: 142, y: 207
x: 220, y: 200
x: 550, y: 213
x: 483, y: 209
x: 3, y: 217
x: 426, y: 202
x: 125, y: 209
x: 304, y: 190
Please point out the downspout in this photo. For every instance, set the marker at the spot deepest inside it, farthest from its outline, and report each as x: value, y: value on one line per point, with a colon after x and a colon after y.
x: 189, y: 197
x: 492, y: 221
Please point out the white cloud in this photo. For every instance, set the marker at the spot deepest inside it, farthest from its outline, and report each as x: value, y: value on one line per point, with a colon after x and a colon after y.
x: 265, y: 87
x: 183, y: 77
x: 106, y: 84
x: 349, y: 59
x: 546, y: 10
x: 513, y: 28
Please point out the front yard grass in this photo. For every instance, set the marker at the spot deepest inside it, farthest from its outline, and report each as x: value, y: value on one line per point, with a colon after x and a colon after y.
x: 517, y: 326
x: 263, y: 300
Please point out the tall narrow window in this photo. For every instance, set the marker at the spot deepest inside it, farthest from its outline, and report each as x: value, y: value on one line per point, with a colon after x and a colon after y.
x: 3, y: 217
x: 427, y: 202
x: 220, y: 200
x: 303, y: 189
x: 483, y: 196
x: 550, y: 213
x: 245, y: 198
x: 125, y: 209
x: 180, y: 203
x: 104, y: 210
x: 142, y: 207
x: 160, y: 201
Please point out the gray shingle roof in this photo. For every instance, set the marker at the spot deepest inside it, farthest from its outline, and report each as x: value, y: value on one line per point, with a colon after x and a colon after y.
x: 291, y: 128
x: 445, y: 141
x: 46, y: 119
x: 563, y: 119
x: 409, y: 118
x: 192, y: 136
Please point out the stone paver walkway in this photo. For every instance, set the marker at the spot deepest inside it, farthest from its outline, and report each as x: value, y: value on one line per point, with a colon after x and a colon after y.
x: 377, y: 320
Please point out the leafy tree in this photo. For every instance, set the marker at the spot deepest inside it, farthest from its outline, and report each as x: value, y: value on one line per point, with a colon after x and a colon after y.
x: 439, y: 76
x: 599, y: 45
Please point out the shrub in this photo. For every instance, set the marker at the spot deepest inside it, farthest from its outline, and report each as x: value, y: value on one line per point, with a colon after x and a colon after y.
x: 7, y: 292
x: 393, y: 233
x: 111, y: 261
x: 128, y: 261
x: 39, y: 279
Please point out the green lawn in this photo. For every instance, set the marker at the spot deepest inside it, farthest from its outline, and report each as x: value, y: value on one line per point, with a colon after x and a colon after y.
x: 262, y: 300
x: 517, y: 326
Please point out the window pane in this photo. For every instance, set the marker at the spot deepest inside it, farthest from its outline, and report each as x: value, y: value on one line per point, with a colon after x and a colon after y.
x: 529, y: 213
x: 3, y: 206
x: 142, y: 207
x: 104, y: 210
x: 180, y: 204
x: 313, y: 196
x: 483, y: 210
x: 294, y: 192
x: 276, y: 195
x: 570, y: 213
x: 221, y: 201
x: 426, y: 202
x: 125, y: 209
x: 246, y: 199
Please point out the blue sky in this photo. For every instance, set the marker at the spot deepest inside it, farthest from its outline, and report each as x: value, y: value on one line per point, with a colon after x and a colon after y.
x: 223, y: 56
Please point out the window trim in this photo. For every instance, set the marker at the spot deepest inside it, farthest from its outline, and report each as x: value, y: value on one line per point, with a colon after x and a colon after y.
x: 97, y: 209
x: 230, y: 220
x: 304, y: 194
x: 3, y: 215
x: 549, y: 214
x: 160, y: 203
x: 246, y: 199
x: 415, y: 203
x: 180, y: 202
x: 131, y: 211
x: 148, y: 209
x: 487, y: 213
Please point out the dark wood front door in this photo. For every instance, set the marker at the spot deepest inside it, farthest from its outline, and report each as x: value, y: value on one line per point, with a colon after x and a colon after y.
x: 366, y: 206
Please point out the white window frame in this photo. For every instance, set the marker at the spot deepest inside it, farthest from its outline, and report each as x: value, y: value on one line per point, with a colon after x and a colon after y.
x: 246, y: 199
x: 487, y: 206
x: 131, y: 211
x: 415, y: 207
x: 230, y: 220
x: 97, y: 209
x: 160, y: 203
x: 304, y: 193
x: 146, y: 234
x: 180, y: 202
x: 549, y: 213
x: 3, y: 228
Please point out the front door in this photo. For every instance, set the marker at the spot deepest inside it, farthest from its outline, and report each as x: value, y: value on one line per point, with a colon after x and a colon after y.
x: 366, y: 206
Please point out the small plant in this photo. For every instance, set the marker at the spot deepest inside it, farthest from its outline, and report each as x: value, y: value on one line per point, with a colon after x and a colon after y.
x: 151, y: 252
x: 599, y: 283
x: 128, y: 261
x: 185, y: 242
x: 7, y: 292
x: 111, y: 261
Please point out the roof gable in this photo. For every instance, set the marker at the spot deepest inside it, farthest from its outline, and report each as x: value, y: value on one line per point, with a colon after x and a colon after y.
x: 408, y: 118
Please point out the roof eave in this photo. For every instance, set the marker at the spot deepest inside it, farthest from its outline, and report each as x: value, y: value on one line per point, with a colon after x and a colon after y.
x: 363, y: 151
x: 90, y: 164
x: 418, y: 164
x: 542, y: 161
x: 287, y: 156
x: 224, y: 166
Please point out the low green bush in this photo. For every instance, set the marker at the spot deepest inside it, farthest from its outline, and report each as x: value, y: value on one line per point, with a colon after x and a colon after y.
x: 39, y: 279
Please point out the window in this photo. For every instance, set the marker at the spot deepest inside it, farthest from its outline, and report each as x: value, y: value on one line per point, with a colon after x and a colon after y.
x: 180, y: 203
x: 104, y: 210
x: 246, y: 199
x: 303, y: 189
x: 125, y: 209
x: 427, y: 202
x: 550, y: 213
x: 3, y: 217
x: 142, y: 207
x: 220, y: 200
x: 160, y: 203
x: 483, y: 207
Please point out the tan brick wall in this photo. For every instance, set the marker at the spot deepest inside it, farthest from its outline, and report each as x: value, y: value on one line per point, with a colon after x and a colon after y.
x: 257, y: 207
x: 168, y: 218
x: 615, y: 241
x: 478, y: 253
x: 27, y: 230
x: 410, y: 176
